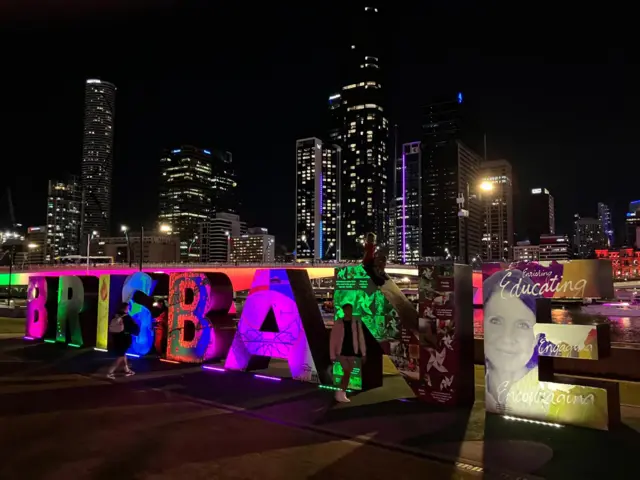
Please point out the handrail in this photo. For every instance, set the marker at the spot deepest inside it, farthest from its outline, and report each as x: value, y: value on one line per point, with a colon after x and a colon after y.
x: 52, y: 267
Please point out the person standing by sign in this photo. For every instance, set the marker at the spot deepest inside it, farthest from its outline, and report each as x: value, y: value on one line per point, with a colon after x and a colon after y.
x: 369, y: 260
x: 121, y: 328
x: 161, y: 328
x: 346, y: 345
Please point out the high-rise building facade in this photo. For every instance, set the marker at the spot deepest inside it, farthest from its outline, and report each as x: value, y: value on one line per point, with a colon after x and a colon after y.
x: 97, y: 155
x: 194, y: 184
x: 408, y: 205
x: 256, y: 246
x: 496, y: 176
x: 588, y: 236
x: 64, y: 207
x: 215, y: 237
x: 450, y: 170
x: 555, y: 247
x: 317, y: 200
x: 542, y: 215
x: 360, y: 126
x: 632, y: 222
x: 37, y: 245
x: 604, y: 215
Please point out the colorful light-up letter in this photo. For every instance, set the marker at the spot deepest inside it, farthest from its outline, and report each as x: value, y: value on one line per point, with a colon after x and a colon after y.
x: 141, y: 282
x: 41, y: 303
x: 77, y: 309
x: 281, y: 320
x: 196, y: 300
x: 109, y: 301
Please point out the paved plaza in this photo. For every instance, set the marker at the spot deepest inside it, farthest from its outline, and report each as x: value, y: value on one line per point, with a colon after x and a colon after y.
x: 59, y: 418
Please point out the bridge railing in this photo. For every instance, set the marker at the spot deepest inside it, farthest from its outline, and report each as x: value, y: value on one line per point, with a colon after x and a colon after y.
x: 81, y: 266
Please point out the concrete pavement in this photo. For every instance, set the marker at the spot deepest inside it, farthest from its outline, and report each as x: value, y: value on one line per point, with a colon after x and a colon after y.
x: 49, y: 391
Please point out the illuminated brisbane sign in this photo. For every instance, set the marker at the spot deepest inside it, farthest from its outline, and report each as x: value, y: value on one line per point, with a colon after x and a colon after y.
x: 280, y: 320
x: 429, y: 347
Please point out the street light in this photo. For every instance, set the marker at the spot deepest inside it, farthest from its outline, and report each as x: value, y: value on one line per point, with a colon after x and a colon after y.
x: 125, y: 230
x: 486, y: 186
x: 164, y: 228
x: 90, y: 237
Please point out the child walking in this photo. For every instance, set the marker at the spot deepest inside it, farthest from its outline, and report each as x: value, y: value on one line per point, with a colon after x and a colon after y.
x: 121, y: 328
x: 347, y: 344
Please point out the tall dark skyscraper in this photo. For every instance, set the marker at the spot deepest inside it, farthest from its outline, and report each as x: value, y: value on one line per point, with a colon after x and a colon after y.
x: 450, y: 171
x: 408, y: 205
x: 97, y: 155
x: 64, y: 204
x: 542, y: 215
x: 604, y: 215
x: 360, y: 127
x: 195, y: 184
x: 317, y: 200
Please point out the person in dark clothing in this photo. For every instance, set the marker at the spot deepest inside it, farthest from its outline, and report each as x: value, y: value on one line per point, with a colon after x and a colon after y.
x: 121, y: 328
x: 347, y: 343
x: 161, y: 328
x: 369, y: 260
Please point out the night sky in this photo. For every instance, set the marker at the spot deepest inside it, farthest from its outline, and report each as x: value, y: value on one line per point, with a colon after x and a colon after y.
x: 251, y: 78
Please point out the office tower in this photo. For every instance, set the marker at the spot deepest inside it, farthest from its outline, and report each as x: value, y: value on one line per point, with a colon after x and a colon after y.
x: 604, y: 215
x: 588, y: 236
x: 555, y: 247
x: 215, y: 237
x: 408, y: 205
x: 631, y: 223
x: 496, y: 191
x: 256, y: 246
x: 361, y: 128
x: 525, y: 252
x: 37, y: 245
x: 542, y: 215
x: 450, y: 169
x: 97, y: 155
x: 317, y: 200
x: 194, y: 184
x: 64, y: 207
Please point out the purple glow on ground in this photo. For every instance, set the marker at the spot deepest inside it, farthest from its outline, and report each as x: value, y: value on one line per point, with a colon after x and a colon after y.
x: 28, y: 338
x: 266, y: 377
x: 215, y: 369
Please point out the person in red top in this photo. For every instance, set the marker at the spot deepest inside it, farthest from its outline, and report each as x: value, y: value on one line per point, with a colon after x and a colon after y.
x: 369, y: 260
x: 161, y: 327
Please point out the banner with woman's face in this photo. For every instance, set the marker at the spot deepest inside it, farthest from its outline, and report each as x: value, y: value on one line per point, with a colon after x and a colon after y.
x: 513, y: 342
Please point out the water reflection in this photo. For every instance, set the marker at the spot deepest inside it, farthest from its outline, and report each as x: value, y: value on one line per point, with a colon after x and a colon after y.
x: 623, y: 329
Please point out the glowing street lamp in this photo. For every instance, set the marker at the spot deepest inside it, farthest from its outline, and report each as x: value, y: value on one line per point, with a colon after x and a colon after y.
x: 164, y: 228
x: 125, y: 230
x: 486, y: 186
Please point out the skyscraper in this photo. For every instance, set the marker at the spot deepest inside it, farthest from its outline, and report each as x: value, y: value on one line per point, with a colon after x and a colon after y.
x: 97, y: 155
x: 317, y: 200
x: 361, y: 128
x: 631, y: 224
x: 604, y: 215
x: 497, y: 201
x: 64, y: 206
x: 542, y: 215
x: 408, y: 205
x: 216, y: 234
x: 450, y: 172
x: 194, y: 184
x: 588, y: 236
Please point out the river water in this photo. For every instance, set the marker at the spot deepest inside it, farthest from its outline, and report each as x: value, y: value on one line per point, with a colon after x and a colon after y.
x: 623, y: 329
